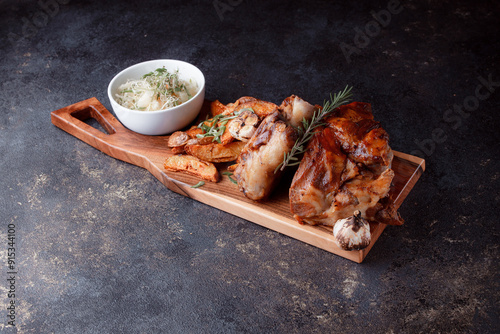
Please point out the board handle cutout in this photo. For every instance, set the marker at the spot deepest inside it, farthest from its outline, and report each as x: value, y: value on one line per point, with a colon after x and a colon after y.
x: 72, y: 120
x: 91, y: 113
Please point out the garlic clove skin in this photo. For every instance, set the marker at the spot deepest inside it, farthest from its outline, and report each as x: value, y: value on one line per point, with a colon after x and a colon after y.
x: 352, y: 233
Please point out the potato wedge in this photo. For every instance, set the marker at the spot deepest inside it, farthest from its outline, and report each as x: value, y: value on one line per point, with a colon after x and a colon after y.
x: 179, y: 139
x: 225, y: 137
x: 232, y: 168
x: 261, y: 108
x: 216, y: 108
x: 177, y: 149
x: 216, y: 152
x: 194, y: 131
x: 193, y: 166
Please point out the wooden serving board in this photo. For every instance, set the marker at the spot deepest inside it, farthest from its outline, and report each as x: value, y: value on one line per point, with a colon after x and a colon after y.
x: 150, y: 152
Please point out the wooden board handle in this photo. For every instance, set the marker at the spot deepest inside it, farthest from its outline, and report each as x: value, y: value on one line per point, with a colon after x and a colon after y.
x: 118, y: 141
x: 72, y: 120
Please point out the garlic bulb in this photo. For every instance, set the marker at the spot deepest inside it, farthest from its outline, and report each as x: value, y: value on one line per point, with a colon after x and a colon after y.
x: 352, y: 233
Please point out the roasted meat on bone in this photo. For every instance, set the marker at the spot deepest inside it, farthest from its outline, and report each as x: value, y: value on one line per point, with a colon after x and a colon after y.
x: 263, y: 153
x: 346, y: 167
x: 256, y: 172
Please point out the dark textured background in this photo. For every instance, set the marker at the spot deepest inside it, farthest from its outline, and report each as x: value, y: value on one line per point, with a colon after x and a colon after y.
x: 103, y: 247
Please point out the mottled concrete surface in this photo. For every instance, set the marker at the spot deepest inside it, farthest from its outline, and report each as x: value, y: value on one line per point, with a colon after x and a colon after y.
x: 103, y: 247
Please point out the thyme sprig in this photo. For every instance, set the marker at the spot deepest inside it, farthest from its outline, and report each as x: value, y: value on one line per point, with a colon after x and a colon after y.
x: 216, y: 126
x: 213, y: 127
x: 306, y: 131
x: 229, y: 174
x: 199, y: 184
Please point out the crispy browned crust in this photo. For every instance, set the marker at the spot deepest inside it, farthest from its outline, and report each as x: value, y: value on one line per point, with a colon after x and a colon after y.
x: 192, y: 165
x: 349, y: 155
x: 256, y: 170
x: 216, y: 152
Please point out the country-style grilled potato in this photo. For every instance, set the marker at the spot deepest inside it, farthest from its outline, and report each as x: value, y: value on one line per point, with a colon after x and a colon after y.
x: 215, y: 152
x: 216, y: 108
x: 192, y: 165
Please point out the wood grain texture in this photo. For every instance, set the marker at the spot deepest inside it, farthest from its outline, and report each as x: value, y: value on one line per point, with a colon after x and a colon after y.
x: 150, y: 153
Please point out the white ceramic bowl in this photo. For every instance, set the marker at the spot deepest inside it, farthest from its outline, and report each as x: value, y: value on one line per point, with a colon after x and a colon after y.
x: 159, y: 122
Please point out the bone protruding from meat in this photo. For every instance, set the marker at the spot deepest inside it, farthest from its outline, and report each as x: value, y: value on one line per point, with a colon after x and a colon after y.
x: 294, y: 110
x: 256, y: 173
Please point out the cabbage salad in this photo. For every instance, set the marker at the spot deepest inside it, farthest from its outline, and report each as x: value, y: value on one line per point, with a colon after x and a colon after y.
x: 156, y: 90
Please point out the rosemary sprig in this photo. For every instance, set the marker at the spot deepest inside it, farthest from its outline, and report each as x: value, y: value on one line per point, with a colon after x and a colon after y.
x: 306, y: 131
